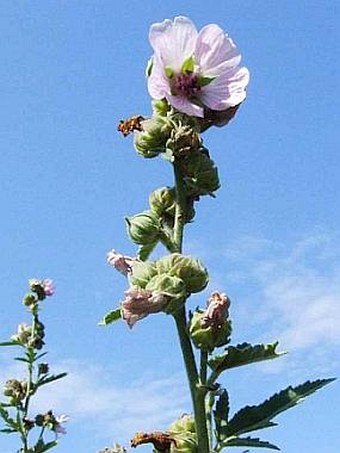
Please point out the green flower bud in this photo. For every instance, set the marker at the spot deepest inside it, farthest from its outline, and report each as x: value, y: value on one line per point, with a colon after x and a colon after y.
x: 188, y: 269
x: 170, y: 286
x: 163, y: 201
x: 200, y: 174
x: 142, y: 273
x: 184, y: 433
x: 152, y: 140
x: 29, y: 299
x: 143, y: 228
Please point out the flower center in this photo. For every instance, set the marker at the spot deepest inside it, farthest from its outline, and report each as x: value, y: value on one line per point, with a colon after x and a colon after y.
x: 185, y: 85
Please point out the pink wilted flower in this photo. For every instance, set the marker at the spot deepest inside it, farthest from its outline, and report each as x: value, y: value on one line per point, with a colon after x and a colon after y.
x: 140, y: 303
x: 48, y: 286
x: 217, y: 310
x: 121, y: 263
x: 192, y: 69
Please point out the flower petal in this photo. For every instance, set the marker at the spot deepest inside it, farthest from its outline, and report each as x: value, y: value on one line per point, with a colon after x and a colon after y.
x: 173, y: 42
x: 214, y: 48
x: 183, y: 104
x: 158, y: 84
x: 227, y: 90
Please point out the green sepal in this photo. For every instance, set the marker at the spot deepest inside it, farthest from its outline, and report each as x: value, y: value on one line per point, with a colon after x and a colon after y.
x: 243, y: 354
x: 142, y: 273
x: 149, y: 67
x: 248, y: 442
x: 111, y: 317
x: 200, y: 174
x: 169, y: 285
x: 188, y: 65
x: 169, y: 72
x: 203, y: 81
x: 252, y: 418
x: 145, y: 251
x: 210, y: 337
x: 160, y: 107
x: 163, y: 201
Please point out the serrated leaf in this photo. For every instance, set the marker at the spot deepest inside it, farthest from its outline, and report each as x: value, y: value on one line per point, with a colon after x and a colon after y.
x: 243, y: 354
x: 249, y: 442
x: 221, y: 413
x: 110, y: 317
x: 145, y: 251
x: 251, y: 418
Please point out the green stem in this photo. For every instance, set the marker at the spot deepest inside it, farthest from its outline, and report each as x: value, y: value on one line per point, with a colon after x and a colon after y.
x: 197, y: 396
x: 203, y: 368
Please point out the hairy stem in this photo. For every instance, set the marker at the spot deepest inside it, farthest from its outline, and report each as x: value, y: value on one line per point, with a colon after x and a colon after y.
x: 197, y: 396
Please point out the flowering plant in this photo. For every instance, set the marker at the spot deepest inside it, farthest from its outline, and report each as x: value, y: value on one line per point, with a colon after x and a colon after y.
x: 196, y: 82
x: 15, y: 412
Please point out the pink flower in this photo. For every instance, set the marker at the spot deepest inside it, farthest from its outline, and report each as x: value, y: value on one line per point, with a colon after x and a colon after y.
x: 217, y: 311
x: 139, y: 303
x: 195, y: 69
x: 121, y: 263
x: 58, y: 427
x: 48, y: 287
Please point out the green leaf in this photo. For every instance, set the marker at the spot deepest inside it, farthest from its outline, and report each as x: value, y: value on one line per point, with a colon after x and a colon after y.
x: 145, y: 251
x: 52, y: 378
x: 205, y: 80
x: 252, y: 418
x: 10, y: 343
x: 188, y: 65
x: 8, y: 431
x: 243, y: 354
x: 110, y: 317
x: 41, y: 447
x: 248, y: 442
x: 22, y: 359
x: 221, y: 413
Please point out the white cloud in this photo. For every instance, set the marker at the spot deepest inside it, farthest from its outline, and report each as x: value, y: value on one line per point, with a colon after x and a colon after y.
x: 294, y: 294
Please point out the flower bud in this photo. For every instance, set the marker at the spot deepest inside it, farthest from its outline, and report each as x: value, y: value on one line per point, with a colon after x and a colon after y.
x: 200, y: 174
x: 163, y: 201
x: 23, y: 334
x: 190, y: 270
x: 143, y: 228
x: 29, y: 300
x: 211, y: 328
x: 184, y: 433
x: 183, y: 140
x: 151, y: 141
x: 15, y: 390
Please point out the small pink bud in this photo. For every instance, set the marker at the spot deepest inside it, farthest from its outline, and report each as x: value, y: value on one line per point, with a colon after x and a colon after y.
x: 139, y: 303
x: 217, y: 311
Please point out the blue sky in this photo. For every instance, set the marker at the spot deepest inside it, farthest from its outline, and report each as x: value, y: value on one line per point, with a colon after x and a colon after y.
x: 69, y: 72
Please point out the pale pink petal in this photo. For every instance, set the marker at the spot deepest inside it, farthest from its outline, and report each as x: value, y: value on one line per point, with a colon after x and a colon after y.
x: 184, y: 105
x: 158, y: 83
x: 214, y: 48
x: 227, y: 90
x: 173, y: 42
